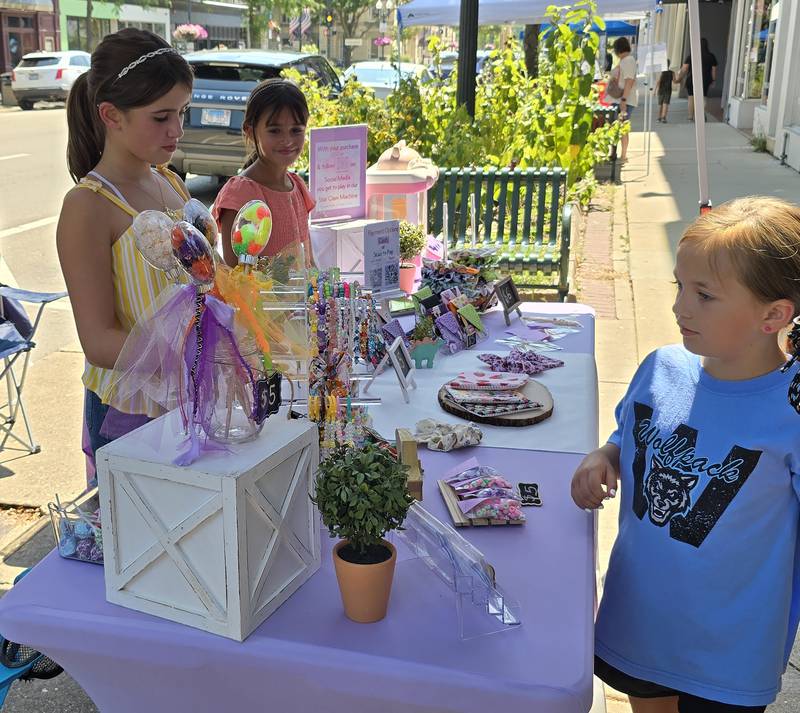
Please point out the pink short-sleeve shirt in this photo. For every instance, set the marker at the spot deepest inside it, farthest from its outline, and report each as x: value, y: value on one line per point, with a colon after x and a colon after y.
x: 290, y: 209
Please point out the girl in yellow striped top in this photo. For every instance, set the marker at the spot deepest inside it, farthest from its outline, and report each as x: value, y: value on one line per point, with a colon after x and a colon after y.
x: 125, y: 115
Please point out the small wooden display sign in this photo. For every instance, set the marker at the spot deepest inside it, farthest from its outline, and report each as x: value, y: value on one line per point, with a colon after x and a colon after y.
x: 403, y: 366
x: 407, y: 454
x: 508, y: 295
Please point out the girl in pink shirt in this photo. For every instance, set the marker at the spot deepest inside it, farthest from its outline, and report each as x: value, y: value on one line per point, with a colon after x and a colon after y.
x: 274, y: 124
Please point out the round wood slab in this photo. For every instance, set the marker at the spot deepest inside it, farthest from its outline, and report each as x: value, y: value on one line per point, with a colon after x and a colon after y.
x: 533, y: 390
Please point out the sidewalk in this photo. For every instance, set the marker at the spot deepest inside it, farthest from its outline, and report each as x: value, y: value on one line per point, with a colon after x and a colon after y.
x: 624, y: 269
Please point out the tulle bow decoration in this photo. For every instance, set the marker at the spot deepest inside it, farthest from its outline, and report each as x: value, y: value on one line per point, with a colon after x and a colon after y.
x: 169, y: 356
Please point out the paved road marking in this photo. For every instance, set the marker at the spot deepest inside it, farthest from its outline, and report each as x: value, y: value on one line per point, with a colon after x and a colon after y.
x: 13, y: 155
x: 25, y: 227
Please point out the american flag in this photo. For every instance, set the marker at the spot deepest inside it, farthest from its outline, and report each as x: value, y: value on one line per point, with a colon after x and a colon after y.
x: 294, y: 25
x: 305, y: 21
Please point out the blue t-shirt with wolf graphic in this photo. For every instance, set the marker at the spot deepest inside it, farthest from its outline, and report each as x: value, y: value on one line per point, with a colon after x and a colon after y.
x: 702, y: 588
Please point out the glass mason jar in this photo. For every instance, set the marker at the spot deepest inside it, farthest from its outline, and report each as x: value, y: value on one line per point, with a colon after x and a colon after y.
x: 232, y: 416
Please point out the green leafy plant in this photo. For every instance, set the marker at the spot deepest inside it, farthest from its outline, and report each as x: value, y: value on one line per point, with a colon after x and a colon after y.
x: 412, y: 240
x: 759, y: 143
x: 423, y: 330
x: 521, y: 121
x: 557, y: 122
x: 361, y: 495
x: 484, y: 260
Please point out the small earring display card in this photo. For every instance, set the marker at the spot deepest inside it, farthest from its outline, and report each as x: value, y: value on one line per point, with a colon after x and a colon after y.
x: 529, y: 492
x: 470, y: 315
x: 422, y: 294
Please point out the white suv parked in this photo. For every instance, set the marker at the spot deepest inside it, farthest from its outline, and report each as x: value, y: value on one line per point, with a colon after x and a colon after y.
x: 47, y: 76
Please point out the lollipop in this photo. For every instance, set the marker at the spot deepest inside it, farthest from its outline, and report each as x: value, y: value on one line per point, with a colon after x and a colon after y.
x: 193, y: 253
x: 198, y: 215
x: 151, y: 232
x: 251, y: 230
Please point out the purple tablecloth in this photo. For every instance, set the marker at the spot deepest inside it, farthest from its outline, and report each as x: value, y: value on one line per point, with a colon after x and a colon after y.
x: 309, y: 657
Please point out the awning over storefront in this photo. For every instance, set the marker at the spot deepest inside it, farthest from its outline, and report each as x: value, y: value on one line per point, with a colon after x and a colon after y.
x: 26, y: 5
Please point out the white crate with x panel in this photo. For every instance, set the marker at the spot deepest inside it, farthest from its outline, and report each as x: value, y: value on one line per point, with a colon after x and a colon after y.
x: 220, y: 544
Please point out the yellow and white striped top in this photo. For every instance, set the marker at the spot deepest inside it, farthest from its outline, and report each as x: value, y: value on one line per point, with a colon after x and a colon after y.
x: 136, y: 287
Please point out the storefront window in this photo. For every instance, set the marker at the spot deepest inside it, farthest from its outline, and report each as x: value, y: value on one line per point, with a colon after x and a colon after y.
x: 755, y: 50
x: 158, y: 28
x: 77, y: 35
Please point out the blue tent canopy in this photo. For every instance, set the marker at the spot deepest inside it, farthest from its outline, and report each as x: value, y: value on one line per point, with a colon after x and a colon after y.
x: 614, y: 28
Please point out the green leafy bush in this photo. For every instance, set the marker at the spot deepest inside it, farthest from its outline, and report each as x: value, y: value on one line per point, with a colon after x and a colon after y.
x: 361, y: 495
x: 540, y: 122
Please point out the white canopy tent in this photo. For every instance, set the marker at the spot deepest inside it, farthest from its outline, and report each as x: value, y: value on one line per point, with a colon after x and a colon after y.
x: 504, y: 12
x: 501, y: 12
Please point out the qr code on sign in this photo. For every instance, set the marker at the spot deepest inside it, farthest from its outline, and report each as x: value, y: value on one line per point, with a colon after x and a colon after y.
x: 391, y: 274
x: 374, y: 278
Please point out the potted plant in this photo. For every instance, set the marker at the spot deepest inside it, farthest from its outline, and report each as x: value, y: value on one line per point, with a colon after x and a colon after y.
x: 361, y: 495
x: 412, y: 243
x: 424, y: 342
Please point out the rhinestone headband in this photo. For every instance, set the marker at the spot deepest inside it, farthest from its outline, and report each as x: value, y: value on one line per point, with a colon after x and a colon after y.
x: 144, y: 58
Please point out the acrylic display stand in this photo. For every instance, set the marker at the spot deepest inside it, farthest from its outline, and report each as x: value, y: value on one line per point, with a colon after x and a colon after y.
x: 481, y: 605
x: 292, y: 300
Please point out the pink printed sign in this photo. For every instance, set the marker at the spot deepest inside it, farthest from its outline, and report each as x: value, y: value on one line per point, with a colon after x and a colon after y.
x: 338, y: 171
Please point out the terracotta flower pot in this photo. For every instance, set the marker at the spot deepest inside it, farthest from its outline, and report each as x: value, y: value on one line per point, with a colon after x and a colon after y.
x: 407, y: 275
x: 365, y: 588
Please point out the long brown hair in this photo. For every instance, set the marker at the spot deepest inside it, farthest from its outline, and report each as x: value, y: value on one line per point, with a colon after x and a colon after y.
x: 760, y: 235
x: 141, y: 85
x: 266, y: 101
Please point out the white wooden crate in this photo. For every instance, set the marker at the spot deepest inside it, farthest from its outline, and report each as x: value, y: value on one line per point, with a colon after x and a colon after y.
x: 218, y: 545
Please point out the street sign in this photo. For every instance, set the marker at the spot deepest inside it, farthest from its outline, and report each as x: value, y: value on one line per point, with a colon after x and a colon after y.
x: 353, y: 42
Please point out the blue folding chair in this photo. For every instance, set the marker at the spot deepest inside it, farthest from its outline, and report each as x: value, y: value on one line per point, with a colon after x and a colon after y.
x: 17, y: 333
x: 18, y: 661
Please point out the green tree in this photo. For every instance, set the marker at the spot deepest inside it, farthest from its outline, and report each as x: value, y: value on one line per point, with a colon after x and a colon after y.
x: 348, y: 14
x: 542, y: 121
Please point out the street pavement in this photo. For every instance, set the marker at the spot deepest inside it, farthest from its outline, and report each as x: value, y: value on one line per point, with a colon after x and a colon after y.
x: 650, y: 210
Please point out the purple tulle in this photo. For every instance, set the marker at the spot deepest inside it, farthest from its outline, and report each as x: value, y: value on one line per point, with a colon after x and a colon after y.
x: 200, y: 377
x: 147, y: 375
x: 161, y: 368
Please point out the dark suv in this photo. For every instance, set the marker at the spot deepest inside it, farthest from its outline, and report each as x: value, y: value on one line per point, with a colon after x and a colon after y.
x: 212, y: 143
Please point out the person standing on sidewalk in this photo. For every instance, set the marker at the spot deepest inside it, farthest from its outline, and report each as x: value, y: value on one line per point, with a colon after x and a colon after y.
x: 702, y: 596
x: 709, y: 64
x: 624, y: 74
x: 664, y: 90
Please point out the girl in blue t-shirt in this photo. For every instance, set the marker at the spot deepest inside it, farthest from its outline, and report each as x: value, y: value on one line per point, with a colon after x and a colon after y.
x: 702, y: 597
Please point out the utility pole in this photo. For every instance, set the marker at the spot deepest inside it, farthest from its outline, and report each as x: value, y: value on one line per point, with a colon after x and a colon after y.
x: 467, y: 55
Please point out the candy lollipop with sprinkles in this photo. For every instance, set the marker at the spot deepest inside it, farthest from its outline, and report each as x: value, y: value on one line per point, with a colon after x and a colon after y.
x: 251, y: 231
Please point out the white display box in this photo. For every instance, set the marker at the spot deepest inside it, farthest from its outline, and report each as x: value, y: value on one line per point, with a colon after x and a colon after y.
x: 218, y: 545
x: 365, y: 247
